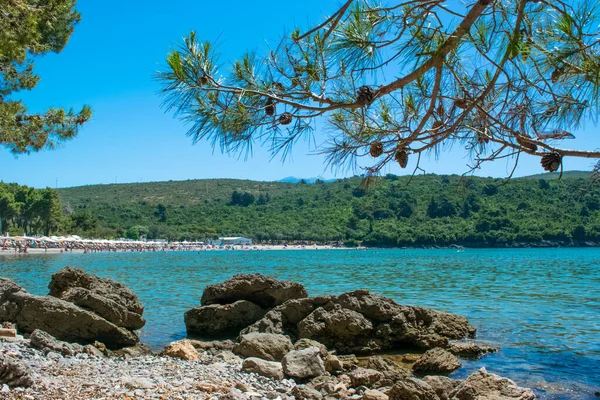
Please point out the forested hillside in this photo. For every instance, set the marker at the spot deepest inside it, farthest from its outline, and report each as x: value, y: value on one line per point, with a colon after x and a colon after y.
x: 430, y: 210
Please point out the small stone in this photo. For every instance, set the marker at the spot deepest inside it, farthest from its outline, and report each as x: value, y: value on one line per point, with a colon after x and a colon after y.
x: 374, y: 395
x: 364, y: 377
x: 11, y: 333
x: 137, y: 383
x: 303, y: 392
x: 182, y: 349
x: 270, y: 369
x: 5, y: 388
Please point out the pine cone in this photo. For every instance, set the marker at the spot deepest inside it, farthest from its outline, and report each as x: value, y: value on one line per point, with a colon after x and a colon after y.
x: 551, y: 161
x: 365, y: 95
x: 556, y: 75
x: 376, y: 149
x: 279, y: 87
x: 203, y: 80
x: 401, y: 158
x: 526, y: 144
x: 461, y: 103
x: 270, y: 107
x: 286, y: 118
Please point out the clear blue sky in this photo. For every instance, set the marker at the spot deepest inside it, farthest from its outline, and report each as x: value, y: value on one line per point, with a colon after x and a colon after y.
x: 109, y: 64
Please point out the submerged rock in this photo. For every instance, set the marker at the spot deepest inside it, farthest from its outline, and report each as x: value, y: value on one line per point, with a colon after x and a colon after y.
x: 436, y: 361
x: 222, y: 320
x: 257, y: 288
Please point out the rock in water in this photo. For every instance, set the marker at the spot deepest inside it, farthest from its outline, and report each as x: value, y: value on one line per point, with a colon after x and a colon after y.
x: 268, y: 346
x: 181, y: 349
x: 61, y: 319
x: 270, y: 369
x: 222, y: 320
x: 109, y: 299
x: 436, y: 361
x: 14, y: 373
x: 302, y: 364
x: 257, y: 288
x: 361, y: 322
x: 483, y: 385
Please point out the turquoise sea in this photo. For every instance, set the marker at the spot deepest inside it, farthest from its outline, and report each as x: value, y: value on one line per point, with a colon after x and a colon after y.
x: 540, y: 306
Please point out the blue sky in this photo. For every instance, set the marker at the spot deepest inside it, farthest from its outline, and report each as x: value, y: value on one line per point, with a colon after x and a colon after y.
x: 109, y: 64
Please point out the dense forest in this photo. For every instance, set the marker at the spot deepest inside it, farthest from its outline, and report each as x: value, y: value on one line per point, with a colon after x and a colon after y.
x: 28, y: 210
x: 430, y: 210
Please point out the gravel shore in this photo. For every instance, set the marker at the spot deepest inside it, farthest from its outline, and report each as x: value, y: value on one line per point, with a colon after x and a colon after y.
x: 145, y: 377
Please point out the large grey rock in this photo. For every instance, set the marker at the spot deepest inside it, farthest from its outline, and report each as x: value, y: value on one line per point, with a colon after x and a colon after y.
x: 483, y: 385
x: 45, y: 342
x: 362, y: 322
x: 303, y: 364
x: 105, y: 307
x: 412, y: 389
x: 61, y: 319
x: 436, y: 361
x: 257, y: 288
x: 69, y: 278
x: 442, y: 385
x: 222, y: 320
x: 270, y: 369
x: 268, y: 346
x: 14, y: 373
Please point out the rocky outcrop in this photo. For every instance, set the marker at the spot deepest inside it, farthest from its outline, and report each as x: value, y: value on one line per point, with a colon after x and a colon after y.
x: 14, y: 373
x: 257, y: 288
x: 270, y: 369
x: 362, y: 322
x: 182, y: 349
x: 483, y: 385
x: 436, y: 361
x: 45, y: 342
x: 303, y: 364
x: 442, y: 385
x: 98, y: 310
x: 268, y: 346
x: 111, y: 300
x: 218, y: 320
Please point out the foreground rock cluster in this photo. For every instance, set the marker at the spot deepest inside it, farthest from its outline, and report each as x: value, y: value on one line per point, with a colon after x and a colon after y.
x: 283, y: 345
x: 81, y: 308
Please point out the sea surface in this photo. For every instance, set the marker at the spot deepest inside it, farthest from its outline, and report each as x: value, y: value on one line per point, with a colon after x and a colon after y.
x: 540, y: 306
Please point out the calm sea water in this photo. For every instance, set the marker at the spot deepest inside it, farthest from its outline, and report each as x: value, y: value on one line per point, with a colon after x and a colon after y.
x: 541, y: 307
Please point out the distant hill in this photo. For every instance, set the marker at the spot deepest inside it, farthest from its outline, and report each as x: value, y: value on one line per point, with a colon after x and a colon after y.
x: 556, y: 175
x: 293, y: 179
x: 430, y: 211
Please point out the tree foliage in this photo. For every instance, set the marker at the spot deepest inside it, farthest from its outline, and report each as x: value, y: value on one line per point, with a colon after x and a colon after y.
x: 30, y: 28
x: 30, y: 211
x: 396, y: 79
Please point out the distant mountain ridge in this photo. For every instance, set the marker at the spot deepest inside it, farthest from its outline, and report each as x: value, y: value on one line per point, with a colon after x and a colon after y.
x: 293, y: 179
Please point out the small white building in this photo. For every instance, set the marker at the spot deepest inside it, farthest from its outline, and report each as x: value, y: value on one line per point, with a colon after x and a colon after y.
x: 238, y: 241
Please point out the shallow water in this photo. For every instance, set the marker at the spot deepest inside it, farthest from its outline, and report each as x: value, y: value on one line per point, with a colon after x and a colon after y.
x: 540, y: 306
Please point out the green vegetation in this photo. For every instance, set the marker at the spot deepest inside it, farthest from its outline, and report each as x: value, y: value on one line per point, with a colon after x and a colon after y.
x: 29, y: 29
x: 27, y: 210
x: 430, y: 211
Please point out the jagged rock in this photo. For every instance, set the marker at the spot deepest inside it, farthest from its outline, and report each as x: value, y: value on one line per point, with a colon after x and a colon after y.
x: 364, y: 377
x: 442, y: 385
x: 270, y: 369
x: 305, y: 343
x: 212, y: 345
x: 326, y: 384
x: 436, y: 361
x: 303, y: 392
x: 483, y: 385
x: 333, y: 364
x: 61, y: 319
x: 470, y: 349
x: 106, y: 308
x: 92, y: 351
x: 361, y: 322
x: 70, y: 278
x: 349, y: 361
x: 47, y: 343
x: 374, y: 395
x: 14, y: 373
x: 302, y: 364
x: 267, y: 346
x: 391, y: 371
x: 412, y: 389
x: 222, y: 320
x: 257, y: 288
x: 228, y: 356
x: 182, y: 349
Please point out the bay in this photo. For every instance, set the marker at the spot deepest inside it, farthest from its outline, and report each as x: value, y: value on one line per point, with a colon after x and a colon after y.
x: 540, y: 306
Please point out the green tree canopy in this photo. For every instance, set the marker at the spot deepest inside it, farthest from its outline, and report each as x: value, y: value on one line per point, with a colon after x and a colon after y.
x: 399, y: 78
x: 29, y: 28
